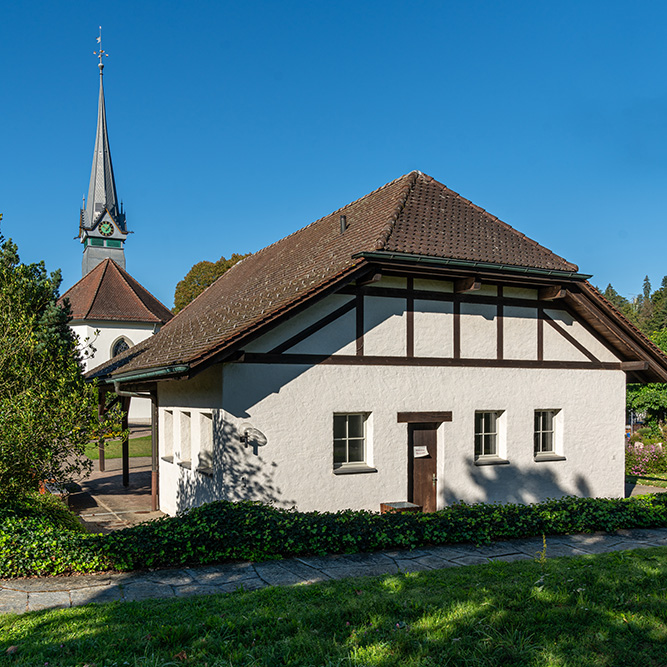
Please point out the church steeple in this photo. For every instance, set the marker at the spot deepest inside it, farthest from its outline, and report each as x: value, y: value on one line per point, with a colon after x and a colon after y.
x: 102, y: 227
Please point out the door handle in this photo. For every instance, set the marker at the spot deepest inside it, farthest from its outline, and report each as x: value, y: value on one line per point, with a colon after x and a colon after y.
x: 435, y: 479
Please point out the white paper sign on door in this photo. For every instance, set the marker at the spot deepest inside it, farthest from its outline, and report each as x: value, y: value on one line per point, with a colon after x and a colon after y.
x: 420, y: 451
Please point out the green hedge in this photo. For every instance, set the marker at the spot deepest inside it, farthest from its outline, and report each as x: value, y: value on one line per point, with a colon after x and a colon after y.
x: 224, y: 531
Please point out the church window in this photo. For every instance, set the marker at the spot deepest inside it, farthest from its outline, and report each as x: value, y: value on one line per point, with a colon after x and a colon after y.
x: 119, y: 347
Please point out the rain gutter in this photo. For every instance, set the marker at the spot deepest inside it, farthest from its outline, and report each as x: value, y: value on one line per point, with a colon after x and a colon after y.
x: 152, y: 374
x: 428, y: 260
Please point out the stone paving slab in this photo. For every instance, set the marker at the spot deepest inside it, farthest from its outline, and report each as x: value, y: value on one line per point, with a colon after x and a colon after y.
x: 510, y: 558
x: 146, y: 590
x: 361, y: 570
x: 51, y: 600
x: 449, y: 553
x: 308, y: 575
x: 435, y: 563
x: 411, y: 565
x: 471, y: 560
x: 96, y: 595
x: 13, y: 602
x: 20, y: 595
x: 222, y: 574
x: 195, y: 589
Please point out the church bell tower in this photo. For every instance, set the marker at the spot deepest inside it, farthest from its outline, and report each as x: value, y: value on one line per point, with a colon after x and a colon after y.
x: 102, y: 228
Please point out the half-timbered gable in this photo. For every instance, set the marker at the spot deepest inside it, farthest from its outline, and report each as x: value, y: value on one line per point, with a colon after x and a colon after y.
x: 409, y: 347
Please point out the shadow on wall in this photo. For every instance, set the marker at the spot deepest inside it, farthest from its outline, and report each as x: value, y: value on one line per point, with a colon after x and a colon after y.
x: 510, y: 484
x: 237, y: 472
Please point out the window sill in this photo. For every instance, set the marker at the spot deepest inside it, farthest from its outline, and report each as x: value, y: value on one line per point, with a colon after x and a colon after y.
x: 185, y: 464
x: 353, y: 469
x: 203, y: 470
x: 548, y: 457
x: 168, y: 459
x: 491, y: 461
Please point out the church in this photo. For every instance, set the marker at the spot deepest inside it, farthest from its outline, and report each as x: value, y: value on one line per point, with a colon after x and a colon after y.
x: 111, y: 311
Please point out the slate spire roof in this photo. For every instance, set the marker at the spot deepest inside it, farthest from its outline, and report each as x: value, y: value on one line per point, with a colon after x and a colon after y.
x: 108, y: 293
x: 102, y: 189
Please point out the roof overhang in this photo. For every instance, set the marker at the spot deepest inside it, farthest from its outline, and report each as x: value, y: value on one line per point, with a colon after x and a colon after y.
x: 407, y: 259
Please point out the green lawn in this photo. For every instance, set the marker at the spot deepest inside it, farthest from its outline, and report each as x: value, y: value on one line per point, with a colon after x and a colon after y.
x: 596, y: 610
x: 138, y: 447
x: 655, y: 479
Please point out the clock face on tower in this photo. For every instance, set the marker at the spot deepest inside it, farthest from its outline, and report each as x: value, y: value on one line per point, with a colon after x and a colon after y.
x: 106, y: 228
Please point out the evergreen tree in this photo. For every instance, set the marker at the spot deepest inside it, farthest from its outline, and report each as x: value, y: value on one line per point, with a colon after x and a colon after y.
x: 48, y: 413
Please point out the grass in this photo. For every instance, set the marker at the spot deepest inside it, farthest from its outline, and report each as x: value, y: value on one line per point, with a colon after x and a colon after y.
x: 113, y: 450
x: 595, y: 610
x: 654, y: 479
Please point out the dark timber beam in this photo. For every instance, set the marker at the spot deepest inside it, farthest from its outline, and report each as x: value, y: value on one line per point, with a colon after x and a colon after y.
x: 125, y: 425
x: 467, y: 285
x: 551, y: 293
x: 634, y: 365
x: 374, y: 278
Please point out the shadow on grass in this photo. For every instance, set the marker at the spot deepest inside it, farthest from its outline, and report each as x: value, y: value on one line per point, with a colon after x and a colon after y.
x: 603, y: 610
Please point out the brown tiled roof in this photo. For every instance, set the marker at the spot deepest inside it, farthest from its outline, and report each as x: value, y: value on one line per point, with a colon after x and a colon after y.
x: 438, y: 222
x: 111, y: 293
x: 413, y: 214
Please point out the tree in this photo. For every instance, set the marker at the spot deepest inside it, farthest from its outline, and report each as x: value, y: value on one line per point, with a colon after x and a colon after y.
x: 650, y: 399
x: 200, y: 276
x: 48, y: 413
x: 626, y: 307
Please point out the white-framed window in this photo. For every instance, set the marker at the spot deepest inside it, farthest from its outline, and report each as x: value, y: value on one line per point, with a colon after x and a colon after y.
x: 545, y: 435
x: 486, y: 434
x: 350, y: 439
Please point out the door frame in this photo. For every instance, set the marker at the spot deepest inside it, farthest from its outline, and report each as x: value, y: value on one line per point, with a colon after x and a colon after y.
x: 430, y: 420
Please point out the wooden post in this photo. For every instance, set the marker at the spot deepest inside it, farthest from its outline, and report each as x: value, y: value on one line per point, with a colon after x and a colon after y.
x: 155, y: 463
x: 126, y: 441
x: 102, y: 397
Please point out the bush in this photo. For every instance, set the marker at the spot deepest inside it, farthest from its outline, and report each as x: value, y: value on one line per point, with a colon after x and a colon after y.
x: 645, y: 459
x: 39, y: 535
x: 224, y: 531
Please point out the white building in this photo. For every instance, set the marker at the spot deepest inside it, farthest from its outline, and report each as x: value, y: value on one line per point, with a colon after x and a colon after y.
x: 408, y: 347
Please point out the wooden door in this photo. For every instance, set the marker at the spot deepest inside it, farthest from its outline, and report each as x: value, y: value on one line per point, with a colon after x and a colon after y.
x: 422, y: 465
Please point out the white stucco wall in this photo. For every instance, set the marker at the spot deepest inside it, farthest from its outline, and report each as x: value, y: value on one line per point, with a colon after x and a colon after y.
x: 103, y: 342
x: 293, y: 407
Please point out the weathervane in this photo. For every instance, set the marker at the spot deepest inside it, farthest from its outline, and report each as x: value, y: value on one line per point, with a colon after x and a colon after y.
x: 101, y: 53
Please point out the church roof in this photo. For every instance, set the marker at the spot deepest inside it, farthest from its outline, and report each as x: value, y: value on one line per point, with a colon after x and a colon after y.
x: 109, y: 293
x: 412, y: 219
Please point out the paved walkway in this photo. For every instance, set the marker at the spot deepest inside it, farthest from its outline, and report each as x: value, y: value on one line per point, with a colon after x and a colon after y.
x: 104, y: 504
x: 21, y: 595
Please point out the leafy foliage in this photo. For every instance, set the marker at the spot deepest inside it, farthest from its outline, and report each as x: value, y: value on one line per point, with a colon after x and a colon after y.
x: 199, y: 277
x: 225, y: 531
x: 47, y: 412
x: 644, y: 459
x: 650, y: 399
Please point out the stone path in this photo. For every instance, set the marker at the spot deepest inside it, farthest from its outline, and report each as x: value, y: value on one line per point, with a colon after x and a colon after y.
x: 21, y: 595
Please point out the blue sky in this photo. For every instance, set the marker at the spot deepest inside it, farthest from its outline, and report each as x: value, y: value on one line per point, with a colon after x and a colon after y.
x: 233, y: 124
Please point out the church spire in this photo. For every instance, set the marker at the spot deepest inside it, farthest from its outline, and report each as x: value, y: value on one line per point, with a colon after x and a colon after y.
x: 102, y: 189
x: 102, y: 225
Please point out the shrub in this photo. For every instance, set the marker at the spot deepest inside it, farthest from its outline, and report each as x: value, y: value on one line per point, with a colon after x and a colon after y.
x: 645, y: 459
x: 225, y: 531
x: 39, y: 535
